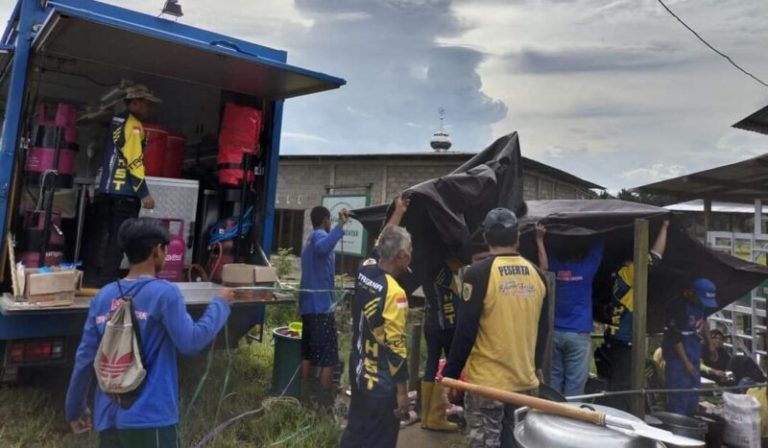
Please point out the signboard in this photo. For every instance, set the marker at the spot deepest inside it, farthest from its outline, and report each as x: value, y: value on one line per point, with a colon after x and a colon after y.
x: 355, y: 240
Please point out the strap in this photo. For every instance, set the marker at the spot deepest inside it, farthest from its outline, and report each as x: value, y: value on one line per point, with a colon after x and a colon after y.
x: 134, y: 325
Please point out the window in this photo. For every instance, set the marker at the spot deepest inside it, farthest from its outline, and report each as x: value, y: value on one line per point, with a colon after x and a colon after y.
x: 289, y: 230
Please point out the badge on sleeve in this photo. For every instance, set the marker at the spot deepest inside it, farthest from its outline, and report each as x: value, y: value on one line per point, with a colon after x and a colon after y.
x: 466, y: 291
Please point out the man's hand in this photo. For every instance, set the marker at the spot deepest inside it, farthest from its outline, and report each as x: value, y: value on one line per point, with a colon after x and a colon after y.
x: 83, y: 424
x: 540, y: 232
x: 721, y: 376
x: 689, y: 368
x: 540, y: 376
x: 228, y: 294
x: 402, y: 203
x: 403, y: 404
x: 665, y: 224
x: 148, y: 203
x: 343, y: 217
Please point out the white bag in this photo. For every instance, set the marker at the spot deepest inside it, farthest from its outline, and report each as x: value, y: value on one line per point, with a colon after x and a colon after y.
x: 742, y: 421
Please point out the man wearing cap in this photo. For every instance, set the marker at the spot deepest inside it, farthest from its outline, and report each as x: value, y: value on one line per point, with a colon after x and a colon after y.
x: 122, y: 189
x: 686, y: 320
x: 501, y: 330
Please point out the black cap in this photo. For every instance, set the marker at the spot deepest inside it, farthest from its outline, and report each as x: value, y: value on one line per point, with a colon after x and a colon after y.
x: 499, y: 219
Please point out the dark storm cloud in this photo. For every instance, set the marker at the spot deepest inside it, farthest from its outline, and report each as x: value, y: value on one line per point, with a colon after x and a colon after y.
x: 398, y: 77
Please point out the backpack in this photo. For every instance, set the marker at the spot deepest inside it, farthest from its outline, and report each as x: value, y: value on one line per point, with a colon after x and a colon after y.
x: 118, y: 363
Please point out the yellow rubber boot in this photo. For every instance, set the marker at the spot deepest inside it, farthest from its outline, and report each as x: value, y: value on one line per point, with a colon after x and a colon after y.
x: 426, y: 399
x: 436, y: 419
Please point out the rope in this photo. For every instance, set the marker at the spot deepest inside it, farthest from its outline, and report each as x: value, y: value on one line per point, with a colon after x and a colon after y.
x: 265, y: 405
x: 663, y: 391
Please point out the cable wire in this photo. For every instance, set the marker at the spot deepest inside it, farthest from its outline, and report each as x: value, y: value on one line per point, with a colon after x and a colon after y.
x: 727, y: 58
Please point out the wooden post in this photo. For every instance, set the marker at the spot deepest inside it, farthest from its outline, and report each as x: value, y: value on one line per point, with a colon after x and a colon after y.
x: 414, y: 351
x: 546, y: 367
x: 639, y: 316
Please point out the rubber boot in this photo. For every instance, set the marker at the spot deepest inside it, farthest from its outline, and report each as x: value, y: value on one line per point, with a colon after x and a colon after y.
x: 436, y: 415
x: 426, y: 399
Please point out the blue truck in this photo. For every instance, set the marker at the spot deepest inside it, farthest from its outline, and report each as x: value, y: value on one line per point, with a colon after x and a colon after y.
x: 73, y: 51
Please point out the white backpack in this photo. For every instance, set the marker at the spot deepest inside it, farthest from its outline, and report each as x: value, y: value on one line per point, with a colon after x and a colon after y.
x: 118, y: 364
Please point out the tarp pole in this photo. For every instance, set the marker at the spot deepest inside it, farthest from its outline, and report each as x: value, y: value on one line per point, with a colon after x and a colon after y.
x: 546, y: 368
x: 758, y: 223
x: 639, y: 315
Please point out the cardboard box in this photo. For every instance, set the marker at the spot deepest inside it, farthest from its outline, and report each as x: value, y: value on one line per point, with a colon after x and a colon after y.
x: 238, y: 274
x: 56, y: 287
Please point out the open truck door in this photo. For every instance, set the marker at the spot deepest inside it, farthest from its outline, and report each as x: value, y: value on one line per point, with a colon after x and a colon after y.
x: 73, y: 51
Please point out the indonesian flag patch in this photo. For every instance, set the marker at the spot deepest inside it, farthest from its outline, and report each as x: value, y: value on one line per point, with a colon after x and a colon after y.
x: 402, y: 302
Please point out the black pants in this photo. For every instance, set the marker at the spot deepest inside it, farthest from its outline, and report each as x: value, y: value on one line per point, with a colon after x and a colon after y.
x: 372, y: 422
x: 617, y: 360
x: 102, y: 257
x: 438, y: 344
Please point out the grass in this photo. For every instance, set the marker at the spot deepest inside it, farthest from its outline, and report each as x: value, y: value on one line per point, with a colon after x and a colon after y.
x: 33, y: 415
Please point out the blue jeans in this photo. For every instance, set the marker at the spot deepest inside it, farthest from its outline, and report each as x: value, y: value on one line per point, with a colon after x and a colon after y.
x: 570, y: 362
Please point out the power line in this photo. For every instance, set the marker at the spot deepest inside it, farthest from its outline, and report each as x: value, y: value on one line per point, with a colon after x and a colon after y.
x: 727, y: 58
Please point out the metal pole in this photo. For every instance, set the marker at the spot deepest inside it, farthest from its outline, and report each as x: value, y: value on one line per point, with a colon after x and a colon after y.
x: 639, y: 315
x: 414, y: 351
x: 758, y: 224
x: 546, y: 367
x: 707, y: 216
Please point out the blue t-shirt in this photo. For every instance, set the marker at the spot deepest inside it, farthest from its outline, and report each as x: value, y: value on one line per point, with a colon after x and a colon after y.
x: 318, y: 264
x: 573, y: 290
x: 165, y: 327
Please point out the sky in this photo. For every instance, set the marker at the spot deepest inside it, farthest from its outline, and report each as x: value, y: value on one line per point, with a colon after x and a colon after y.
x: 613, y: 91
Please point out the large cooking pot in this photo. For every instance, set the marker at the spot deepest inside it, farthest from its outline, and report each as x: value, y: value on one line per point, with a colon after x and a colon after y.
x: 682, y: 425
x: 534, y: 429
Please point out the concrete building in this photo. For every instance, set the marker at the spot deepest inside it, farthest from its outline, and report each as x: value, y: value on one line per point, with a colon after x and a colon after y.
x: 303, y: 180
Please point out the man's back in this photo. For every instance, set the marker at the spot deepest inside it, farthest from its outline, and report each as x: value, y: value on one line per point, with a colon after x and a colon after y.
x: 513, y: 293
x: 164, y: 327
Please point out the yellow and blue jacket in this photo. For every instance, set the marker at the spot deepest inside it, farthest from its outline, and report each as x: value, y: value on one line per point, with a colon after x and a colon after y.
x: 122, y: 172
x: 378, y: 356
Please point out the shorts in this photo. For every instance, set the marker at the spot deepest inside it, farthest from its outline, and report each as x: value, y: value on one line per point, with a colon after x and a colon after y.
x: 319, y: 342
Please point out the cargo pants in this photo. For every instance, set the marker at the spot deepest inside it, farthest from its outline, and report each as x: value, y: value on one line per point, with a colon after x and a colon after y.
x: 491, y: 423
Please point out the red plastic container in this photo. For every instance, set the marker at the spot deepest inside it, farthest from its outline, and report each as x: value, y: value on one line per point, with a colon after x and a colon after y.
x: 240, y: 126
x: 155, y: 149
x: 173, y: 269
x: 174, y: 155
x: 239, y: 134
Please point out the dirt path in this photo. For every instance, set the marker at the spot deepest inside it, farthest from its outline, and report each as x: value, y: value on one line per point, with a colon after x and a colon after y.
x: 415, y: 437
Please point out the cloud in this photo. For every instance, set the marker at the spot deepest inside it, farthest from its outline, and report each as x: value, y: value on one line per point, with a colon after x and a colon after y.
x: 654, y: 173
x: 596, y: 59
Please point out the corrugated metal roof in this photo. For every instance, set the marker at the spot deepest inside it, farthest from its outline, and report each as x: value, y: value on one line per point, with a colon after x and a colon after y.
x: 757, y: 122
x: 742, y: 181
x: 697, y: 205
x: 447, y: 155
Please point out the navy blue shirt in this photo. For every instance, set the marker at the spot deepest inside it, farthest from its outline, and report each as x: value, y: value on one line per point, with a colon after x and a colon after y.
x: 318, y: 263
x: 573, y: 290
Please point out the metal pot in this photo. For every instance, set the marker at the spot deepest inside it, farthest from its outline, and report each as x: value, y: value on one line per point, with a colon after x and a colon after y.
x: 682, y: 425
x: 535, y: 429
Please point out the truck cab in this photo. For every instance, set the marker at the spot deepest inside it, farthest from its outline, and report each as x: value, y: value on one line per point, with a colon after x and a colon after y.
x: 74, y: 54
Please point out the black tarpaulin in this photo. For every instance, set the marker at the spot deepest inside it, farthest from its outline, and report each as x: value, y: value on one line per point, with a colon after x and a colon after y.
x: 612, y: 221
x: 446, y: 212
